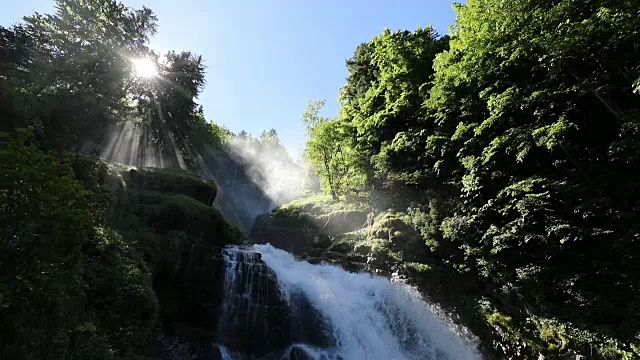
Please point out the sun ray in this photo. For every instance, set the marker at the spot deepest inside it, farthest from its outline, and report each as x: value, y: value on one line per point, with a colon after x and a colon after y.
x: 145, y: 68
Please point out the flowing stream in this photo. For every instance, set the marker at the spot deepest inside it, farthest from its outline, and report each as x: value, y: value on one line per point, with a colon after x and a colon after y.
x: 276, y: 307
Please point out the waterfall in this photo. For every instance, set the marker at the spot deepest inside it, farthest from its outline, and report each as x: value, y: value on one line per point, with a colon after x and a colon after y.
x: 253, y: 317
x: 276, y: 307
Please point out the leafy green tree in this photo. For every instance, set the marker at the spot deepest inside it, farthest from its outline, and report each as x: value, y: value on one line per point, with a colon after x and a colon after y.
x: 166, y: 104
x: 16, y: 57
x: 71, y: 75
x: 515, y: 144
x: 82, y: 62
x: 535, y: 114
x: 270, y: 138
x: 329, y: 151
x: 389, y: 78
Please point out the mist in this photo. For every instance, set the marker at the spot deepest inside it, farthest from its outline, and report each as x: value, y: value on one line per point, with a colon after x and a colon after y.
x: 270, y: 167
x: 132, y: 142
x: 253, y: 176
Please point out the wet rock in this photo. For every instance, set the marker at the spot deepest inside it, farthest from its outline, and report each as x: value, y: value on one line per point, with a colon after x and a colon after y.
x: 398, y: 242
x: 297, y: 353
x: 357, y: 258
x: 353, y: 266
x: 347, y: 221
x: 341, y: 247
x: 314, y: 252
x: 332, y: 255
x: 255, y: 319
x: 362, y: 250
x: 321, y: 241
x: 215, y: 353
x: 314, y: 260
x: 296, y: 240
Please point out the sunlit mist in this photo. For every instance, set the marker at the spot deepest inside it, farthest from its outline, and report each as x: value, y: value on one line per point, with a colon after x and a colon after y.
x: 145, y: 67
x: 133, y: 144
x: 279, y: 178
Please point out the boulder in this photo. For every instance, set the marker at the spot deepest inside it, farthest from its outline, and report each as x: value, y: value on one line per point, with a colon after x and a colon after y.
x: 341, y: 247
x: 298, y: 353
x: 321, y: 241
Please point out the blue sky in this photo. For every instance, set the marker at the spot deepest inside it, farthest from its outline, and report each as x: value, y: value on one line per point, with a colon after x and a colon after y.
x: 266, y: 58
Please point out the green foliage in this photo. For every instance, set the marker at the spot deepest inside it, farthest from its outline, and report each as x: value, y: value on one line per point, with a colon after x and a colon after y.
x: 535, y: 170
x: 513, y: 145
x: 323, y: 205
x: 71, y: 287
x: 71, y: 80
x: 389, y: 78
x: 184, y: 213
x: 330, y: 153
x: 74, y: 287
x: 265, y: 153
x: 71, y: 76
x: 322, y: 212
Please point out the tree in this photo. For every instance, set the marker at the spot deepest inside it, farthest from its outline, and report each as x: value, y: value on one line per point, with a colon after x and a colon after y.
x: 535, y: 111
x: 71, y: 76
x: 168, y: 109
x: 328, y: 150
x: 389, y: 78
x: 81, y: 59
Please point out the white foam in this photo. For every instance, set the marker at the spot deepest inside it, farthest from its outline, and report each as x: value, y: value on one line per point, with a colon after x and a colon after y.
x: 371, y: 317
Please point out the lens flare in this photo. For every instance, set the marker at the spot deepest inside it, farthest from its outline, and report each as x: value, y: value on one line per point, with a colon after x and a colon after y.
x: 145, y: 68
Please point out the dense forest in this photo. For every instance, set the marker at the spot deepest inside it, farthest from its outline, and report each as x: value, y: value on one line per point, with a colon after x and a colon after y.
x: 512, y: 147
x: 509, y: 147
x: 85, y: 245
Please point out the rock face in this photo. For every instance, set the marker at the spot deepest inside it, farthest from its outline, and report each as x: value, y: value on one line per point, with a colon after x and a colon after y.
x: 233, y: 305
x: 254, y: 319
x: 239, y: 199
x: 174, y: 181
x: 299, y: 229
x: 307, y: 240
x: 167, y: 217
x: 296, y: 240
x: 172, y: 348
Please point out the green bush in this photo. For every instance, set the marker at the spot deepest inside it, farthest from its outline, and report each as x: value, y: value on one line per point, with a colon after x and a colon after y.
x: 70, y: 286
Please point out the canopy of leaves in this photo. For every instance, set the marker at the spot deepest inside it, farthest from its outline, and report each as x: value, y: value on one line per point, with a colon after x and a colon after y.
x: 71, y: 76
x: 515, y: 142
x: 71, y: 286
x: 330, y: 151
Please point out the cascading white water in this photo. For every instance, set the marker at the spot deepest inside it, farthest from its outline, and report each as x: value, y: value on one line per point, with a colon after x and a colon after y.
x: 369, y: 317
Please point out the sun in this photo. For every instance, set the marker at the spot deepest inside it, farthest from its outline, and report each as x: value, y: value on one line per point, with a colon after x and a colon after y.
x: 145, y: 68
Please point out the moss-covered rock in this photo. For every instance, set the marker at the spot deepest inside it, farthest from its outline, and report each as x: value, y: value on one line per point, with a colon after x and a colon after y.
x: 297, y: 226
x: 174, y: 181
x: 165, y: 216
x: 183, y: 213
x: 331, y: 216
